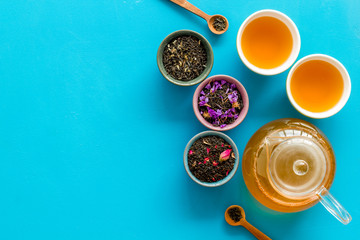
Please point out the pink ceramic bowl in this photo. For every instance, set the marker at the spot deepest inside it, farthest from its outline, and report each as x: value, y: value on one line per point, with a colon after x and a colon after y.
x: 242, y: 92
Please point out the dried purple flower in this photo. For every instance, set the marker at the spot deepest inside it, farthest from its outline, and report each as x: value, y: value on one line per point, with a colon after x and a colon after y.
x: 228, y: 114
x: 218, y: 85
x: 203, y: 100
x: 215, y: 87
x: 233, y: 97
x: 214, y: 114
x: 219, y: 103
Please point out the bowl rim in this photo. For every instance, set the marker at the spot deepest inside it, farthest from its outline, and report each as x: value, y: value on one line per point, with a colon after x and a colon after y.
x: 208, y: 49
x: 295, y: 35
x: 344, y: 97
x: 242, y: 91
x: 227, y: 139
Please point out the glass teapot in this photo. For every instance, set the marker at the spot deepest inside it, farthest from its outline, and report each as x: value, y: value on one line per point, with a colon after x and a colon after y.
x: 288, y: 165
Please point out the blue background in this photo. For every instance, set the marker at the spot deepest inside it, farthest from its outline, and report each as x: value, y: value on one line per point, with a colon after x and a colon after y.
x: 92, y: 135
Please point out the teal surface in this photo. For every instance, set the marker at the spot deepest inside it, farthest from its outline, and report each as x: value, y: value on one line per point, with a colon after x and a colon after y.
x: 92, y: 135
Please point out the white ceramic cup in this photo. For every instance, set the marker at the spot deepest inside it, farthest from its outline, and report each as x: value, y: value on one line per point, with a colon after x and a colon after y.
x: 294, y: 33
x: 346, y: 91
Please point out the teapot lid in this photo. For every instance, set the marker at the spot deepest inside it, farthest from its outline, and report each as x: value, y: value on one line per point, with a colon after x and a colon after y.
x: 297, y: 165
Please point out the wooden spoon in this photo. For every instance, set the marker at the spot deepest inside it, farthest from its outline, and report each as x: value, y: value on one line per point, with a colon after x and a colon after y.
x: 256, y: 232
x: 209, y: 18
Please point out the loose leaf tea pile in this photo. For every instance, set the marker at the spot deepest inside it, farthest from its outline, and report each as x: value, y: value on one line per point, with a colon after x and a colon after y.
x: 185, y: 58
x: 235, y: 214
x: 219, y: 23
x: 211, y: 159
x: 220, y: 103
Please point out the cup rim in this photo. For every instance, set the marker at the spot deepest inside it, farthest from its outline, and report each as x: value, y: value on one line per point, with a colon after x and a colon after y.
x: 209, y: 52
x: 345, y: 95
x: 242, y: 92
x: 294, y: 33
x: 227, y: 139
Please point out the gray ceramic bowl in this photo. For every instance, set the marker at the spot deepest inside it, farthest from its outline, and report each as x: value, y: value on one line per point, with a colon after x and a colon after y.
x: 242, y: 92
x: 209, y: 63
x: 227, y: 139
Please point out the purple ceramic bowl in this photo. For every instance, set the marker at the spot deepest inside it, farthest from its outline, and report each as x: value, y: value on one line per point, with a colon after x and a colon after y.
x: 242, y: 92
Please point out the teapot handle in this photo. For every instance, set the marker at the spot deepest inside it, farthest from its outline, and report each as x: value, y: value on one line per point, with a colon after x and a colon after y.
x: 333, y: 206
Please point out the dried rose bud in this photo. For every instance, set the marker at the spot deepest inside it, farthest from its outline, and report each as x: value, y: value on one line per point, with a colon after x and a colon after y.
x: 225, y: 155
x: 207, y: 150
x: 215, y: 163
x: 227, y: 172
x: 191, y: 152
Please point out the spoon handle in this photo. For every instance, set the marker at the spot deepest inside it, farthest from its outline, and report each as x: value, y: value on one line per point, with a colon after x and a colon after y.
x: 188, y: 6
x: 256, y: 232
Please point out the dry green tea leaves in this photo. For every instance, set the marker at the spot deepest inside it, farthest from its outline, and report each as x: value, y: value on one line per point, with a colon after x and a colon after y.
x: 185, y: 58
x: 219, y: 23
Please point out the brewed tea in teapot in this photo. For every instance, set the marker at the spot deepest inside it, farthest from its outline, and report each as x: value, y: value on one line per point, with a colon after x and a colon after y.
x: 288, y: 165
